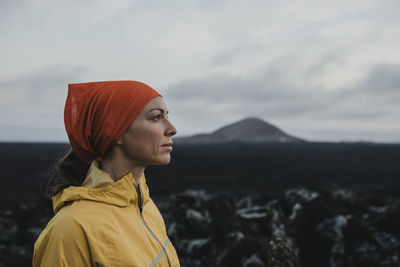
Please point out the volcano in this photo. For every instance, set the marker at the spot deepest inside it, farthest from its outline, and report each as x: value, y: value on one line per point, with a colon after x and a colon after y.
x: 249, y: 130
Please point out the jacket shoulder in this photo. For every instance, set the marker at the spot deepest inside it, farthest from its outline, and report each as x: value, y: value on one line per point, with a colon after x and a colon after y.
x: 62, y: 243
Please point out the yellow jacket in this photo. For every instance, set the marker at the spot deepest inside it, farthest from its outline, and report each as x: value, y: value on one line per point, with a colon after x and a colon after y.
x: 105, y: 223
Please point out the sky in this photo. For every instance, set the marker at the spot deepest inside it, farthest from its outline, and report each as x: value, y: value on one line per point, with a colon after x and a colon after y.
x: 318, y: 70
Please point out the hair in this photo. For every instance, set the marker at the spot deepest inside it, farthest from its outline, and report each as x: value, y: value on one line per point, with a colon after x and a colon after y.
x: 66, y: 171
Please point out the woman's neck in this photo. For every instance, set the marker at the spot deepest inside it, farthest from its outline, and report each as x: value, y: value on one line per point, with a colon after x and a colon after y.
x: 118, y: 168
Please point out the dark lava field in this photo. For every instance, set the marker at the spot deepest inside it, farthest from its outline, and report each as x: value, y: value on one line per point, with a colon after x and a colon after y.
x: 293, y: 204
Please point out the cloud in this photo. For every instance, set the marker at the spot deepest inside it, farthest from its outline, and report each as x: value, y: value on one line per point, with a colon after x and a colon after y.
x: 375, y: 96
x: 384, y: 79
x: 37, y: 87
x: 35, y: 100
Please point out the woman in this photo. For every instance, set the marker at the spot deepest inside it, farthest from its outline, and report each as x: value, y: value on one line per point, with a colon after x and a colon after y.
x: 104, y: 215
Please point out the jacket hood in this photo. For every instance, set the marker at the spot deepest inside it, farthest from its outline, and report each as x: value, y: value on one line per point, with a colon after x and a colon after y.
x: 100, y: 187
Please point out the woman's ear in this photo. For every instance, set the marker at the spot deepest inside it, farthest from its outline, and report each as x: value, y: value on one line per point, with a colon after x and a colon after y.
x: 119, y: 142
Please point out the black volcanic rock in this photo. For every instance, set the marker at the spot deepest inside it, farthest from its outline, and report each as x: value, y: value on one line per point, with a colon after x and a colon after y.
x: 327, y: 226
x: 250, y: 130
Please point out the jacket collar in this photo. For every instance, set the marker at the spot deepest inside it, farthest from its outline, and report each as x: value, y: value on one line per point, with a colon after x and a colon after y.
x: 98, y: 186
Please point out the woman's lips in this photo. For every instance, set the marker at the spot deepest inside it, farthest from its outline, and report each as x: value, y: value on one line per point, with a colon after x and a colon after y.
x: 169, y: 146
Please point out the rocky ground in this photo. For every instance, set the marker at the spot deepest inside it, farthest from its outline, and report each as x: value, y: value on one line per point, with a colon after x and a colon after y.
x: 302, y: 227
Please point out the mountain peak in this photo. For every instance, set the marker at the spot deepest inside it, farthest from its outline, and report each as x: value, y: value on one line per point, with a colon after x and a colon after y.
x: 248, y: 130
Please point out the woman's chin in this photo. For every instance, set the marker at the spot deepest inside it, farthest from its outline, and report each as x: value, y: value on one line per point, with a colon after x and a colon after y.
x: 162, y: 161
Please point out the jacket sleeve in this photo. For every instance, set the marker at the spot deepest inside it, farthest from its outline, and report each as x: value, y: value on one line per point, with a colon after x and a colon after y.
x: 64, y: 245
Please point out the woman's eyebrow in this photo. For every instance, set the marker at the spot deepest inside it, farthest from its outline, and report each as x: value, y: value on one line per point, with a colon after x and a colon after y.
x: 160, y: 109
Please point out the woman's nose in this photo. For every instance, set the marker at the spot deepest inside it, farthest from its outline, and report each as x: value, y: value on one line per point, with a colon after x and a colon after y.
x: 171, y: 130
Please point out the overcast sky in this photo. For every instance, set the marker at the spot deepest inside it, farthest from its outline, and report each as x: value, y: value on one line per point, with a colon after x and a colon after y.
x: 319, y: 70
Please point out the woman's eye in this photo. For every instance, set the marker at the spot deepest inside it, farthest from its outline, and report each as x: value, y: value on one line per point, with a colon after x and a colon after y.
x: 157, y: 117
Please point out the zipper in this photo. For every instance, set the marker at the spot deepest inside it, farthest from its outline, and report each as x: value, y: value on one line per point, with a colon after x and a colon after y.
x: 140, y: 204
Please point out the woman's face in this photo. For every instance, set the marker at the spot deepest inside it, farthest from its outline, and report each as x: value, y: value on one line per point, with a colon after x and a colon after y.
x: 148, y: 140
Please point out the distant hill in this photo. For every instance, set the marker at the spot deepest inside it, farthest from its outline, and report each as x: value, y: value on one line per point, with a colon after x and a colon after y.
x: 250, y: 130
